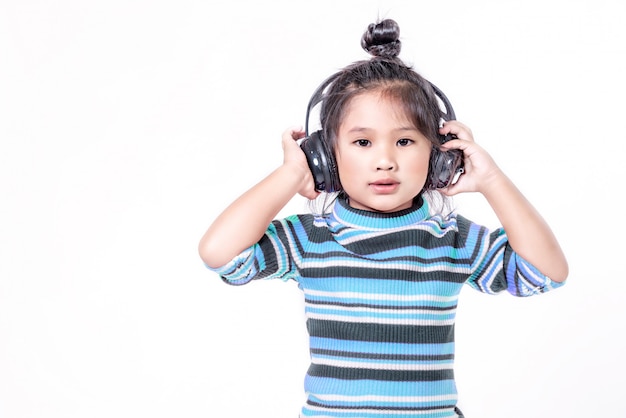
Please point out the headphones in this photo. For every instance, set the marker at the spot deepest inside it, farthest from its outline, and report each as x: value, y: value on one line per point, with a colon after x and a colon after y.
x: 445, y: 167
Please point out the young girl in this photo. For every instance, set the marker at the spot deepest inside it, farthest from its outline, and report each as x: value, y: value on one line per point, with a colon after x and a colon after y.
x: 382, y: 269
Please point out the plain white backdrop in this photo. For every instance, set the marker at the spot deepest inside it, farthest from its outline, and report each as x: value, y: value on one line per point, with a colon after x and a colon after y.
x: 127, y: 126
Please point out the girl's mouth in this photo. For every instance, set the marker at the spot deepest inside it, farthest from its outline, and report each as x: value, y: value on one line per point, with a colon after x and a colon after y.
x: 384, y: 186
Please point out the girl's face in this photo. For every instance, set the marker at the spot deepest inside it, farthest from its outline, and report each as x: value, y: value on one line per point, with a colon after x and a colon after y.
x: 382, y: 158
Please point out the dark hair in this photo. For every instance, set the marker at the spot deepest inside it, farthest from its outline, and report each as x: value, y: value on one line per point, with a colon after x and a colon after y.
x: 384, y: 73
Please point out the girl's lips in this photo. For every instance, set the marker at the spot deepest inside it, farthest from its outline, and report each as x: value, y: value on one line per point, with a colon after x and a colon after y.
x: 384, y: 186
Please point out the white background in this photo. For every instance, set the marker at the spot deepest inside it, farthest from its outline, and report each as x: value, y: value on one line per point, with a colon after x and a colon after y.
x: 127, y: 126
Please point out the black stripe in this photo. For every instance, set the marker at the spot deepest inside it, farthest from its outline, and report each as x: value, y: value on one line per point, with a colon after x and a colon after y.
x: 383, y: 408
x: 409, y: 334
x: 498, y: 283
x: 285, y: 233
x: 464, y: 226
x: 393, y: 308
x: 408, y: 255
x: 411, y: 274
x: 419, y: 239
x: 351, y: 373
x: 521, y: 281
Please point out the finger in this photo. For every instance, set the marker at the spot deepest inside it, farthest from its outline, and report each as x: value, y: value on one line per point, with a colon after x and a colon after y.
x: 458, y: 129
x: 294, y: 132
x: 311, y: 195
x: 460, y: 144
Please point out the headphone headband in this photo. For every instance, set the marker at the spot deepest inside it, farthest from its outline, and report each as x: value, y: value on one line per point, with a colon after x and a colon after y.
x: 449, y: 112
x: 318, y: 96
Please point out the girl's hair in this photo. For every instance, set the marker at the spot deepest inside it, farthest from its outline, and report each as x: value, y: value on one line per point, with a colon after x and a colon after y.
x: 386, y: 74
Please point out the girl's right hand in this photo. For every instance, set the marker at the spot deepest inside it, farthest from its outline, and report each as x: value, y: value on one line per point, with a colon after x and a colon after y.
x: 244, y: 221
x: 295, y: 159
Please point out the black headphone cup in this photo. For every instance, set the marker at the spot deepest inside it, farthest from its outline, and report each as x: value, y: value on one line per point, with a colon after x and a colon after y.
x: 445, y: 168
x: 321, y: 162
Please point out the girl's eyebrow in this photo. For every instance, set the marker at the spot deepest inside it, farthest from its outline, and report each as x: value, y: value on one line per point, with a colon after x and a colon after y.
x: 358, y: 129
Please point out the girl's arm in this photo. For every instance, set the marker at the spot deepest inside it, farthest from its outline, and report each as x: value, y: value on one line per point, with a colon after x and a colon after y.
x: 244, y: 222
x: 528, y: 233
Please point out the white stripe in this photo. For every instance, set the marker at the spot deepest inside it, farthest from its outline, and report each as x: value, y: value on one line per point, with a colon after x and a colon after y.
x: 431, y: 226
x: 377, y: 296
x: 525, y: 273
x: 375, y: 320
x: 448, y: 365
x: 495, y: 266
x: 383, y: 265
x: 449, y: 311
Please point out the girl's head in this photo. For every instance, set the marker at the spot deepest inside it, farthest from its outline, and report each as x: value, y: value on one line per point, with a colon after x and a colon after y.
x: 382, y: 85
x: 384, y: 73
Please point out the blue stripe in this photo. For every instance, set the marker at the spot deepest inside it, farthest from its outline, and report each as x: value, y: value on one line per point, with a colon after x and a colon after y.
x: 382, y: 287
x: 326, y: 386
x: 376, y: 347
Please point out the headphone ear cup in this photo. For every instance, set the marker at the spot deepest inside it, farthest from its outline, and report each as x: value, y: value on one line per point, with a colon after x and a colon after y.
x: 321, y: 162
x: 436, y: 170
x: 444, y: 169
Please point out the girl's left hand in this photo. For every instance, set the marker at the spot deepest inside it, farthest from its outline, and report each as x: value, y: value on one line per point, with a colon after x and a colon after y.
x: 480, y: 168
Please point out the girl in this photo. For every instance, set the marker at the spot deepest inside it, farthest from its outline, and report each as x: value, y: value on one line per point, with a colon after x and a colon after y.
x: 381, y: 270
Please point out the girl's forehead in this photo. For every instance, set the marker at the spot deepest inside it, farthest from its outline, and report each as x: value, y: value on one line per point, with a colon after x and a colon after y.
x: 374, y: 102
x: 375, y: 96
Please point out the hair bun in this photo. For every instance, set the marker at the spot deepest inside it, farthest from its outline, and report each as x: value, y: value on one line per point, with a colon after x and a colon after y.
x: 382, y: 39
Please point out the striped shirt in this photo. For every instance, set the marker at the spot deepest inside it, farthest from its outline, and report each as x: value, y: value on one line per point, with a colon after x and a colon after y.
x: 381, y: 293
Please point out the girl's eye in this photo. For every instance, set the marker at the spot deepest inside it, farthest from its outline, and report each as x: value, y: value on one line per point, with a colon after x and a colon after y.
x: 362, y: 142
x: 404, y: 142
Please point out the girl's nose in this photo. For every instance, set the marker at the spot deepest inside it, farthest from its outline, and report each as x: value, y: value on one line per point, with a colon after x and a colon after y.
x: 385, y: 167
x: 385, y: 162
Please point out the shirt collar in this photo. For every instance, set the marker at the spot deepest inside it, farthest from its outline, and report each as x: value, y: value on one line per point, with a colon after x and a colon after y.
x: 358, y: 218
